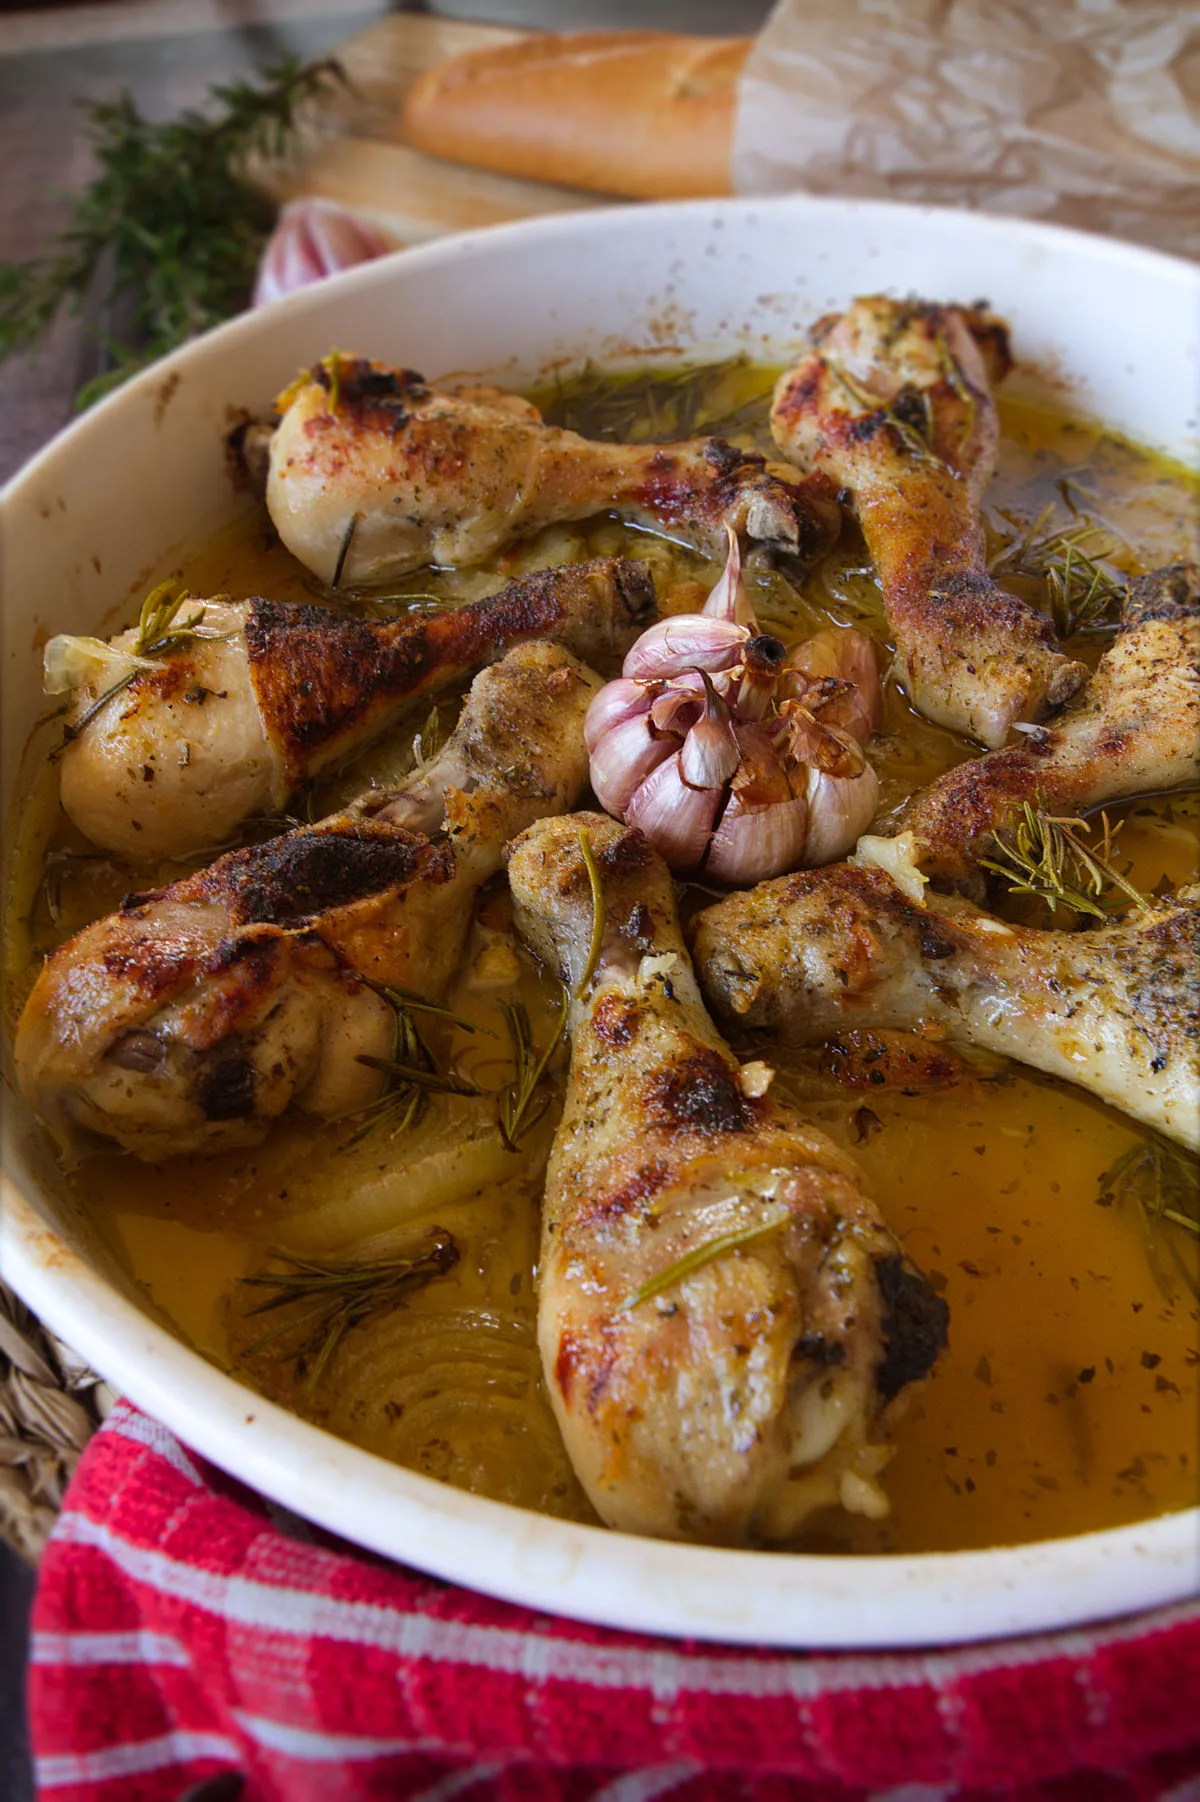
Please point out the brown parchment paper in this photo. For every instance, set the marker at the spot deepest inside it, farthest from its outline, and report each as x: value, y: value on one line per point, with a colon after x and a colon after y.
x: 1086, y: 112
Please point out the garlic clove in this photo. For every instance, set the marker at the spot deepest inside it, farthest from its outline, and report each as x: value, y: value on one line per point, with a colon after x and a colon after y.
x: 70, y: 662
x: 676, y: 818
x: 623, y: 759
x: 840, y: 808
x: 679, y: 704
x: 752, y: 843
x: 848, y: 655
x: 710, y: 753
x: 617, y: 702
x: 727, y: 598
x: 804, y: 738
x: 761, y: 778
x: 313, y: 239
x: 688, y: 641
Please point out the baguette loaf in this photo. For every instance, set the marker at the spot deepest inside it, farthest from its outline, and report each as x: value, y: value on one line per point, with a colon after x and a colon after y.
x: 647, y: 114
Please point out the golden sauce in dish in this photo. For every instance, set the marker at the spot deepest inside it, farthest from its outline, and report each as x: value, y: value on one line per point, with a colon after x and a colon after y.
x: 1068, y: 1397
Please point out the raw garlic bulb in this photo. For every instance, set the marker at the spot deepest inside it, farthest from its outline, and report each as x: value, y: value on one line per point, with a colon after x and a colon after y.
x: 731, y: 754
x: 313, y: 239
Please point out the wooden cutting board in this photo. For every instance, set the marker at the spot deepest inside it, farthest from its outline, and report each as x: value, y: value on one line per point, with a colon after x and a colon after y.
x: 360, y: 159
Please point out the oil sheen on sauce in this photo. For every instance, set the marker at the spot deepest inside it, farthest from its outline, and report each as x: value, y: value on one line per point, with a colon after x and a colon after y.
x: 1067, y: 1400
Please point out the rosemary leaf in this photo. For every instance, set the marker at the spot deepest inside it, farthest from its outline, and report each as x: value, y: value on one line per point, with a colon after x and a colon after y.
x: 403, y: 1101
x: 340, y: 1297
x: 1084, y: 595
x: 518, y: 1108
x: 70, y: 733
x: 1163, y: 1183
x: 917, y: 442
x: 405, y: 999
x: 343, y: 551
x: 638, y: 407
x: 598, y: 912
x: 699, y: 1255
x: 1045, y: 856
x: 958, y: 382
x: 160, y: 631
x: 437, y: 1080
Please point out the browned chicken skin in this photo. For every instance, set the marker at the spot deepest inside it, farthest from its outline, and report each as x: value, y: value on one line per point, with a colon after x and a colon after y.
x: 228, y: 726
x: 377, y: 473
x: 894, y: 405
x: 729, y: 1402
x: 1116, y: 1011
x: 192, y: 1017
x: 1134, y: 731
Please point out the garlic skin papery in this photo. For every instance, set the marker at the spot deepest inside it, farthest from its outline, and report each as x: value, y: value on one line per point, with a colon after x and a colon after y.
x: 733, y: 755
x: 313, y: 239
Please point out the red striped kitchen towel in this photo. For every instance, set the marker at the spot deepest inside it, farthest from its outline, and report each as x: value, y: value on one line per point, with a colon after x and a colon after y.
x: 189, y: 1642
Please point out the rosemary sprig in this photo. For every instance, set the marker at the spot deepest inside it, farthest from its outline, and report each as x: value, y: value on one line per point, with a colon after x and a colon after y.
x: 1163, y: 1183
x: 518, y: 1105
x: 412, y: 1072
x: 1083, y: 594
x: 171, y: 223
x: 330, y: 1299
x: 598, y: 912
x: 700, y: 1255
x: 919, y: 443
x: 1046, y: 857
x: 634, y: 407
x: 159, y: 632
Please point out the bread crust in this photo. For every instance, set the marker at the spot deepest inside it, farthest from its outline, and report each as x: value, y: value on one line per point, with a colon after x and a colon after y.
x: 644, y: 114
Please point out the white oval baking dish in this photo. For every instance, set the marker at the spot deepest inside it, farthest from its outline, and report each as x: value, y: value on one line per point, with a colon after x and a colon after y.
x: 110, y: 503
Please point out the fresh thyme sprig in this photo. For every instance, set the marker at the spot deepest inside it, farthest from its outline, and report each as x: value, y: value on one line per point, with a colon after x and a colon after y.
x: 1164, y: 1185
x: 329, y: 1299
x: 412, y: 1072
x: 700, y: 1255
x: 1083, y: 594
x: 1046, y: 857
x: 519, y: 1107
x: 170, y: 223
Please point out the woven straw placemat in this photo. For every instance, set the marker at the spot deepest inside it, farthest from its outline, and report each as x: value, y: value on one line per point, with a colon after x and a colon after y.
x: 50, y: 1405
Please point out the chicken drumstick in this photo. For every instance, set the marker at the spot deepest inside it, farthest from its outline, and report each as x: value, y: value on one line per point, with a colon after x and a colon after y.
x: 373, y: 473
x: 894, y: 405
x: 193, y: 1016
x: 723, y: 1316
x: 229, y: 724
